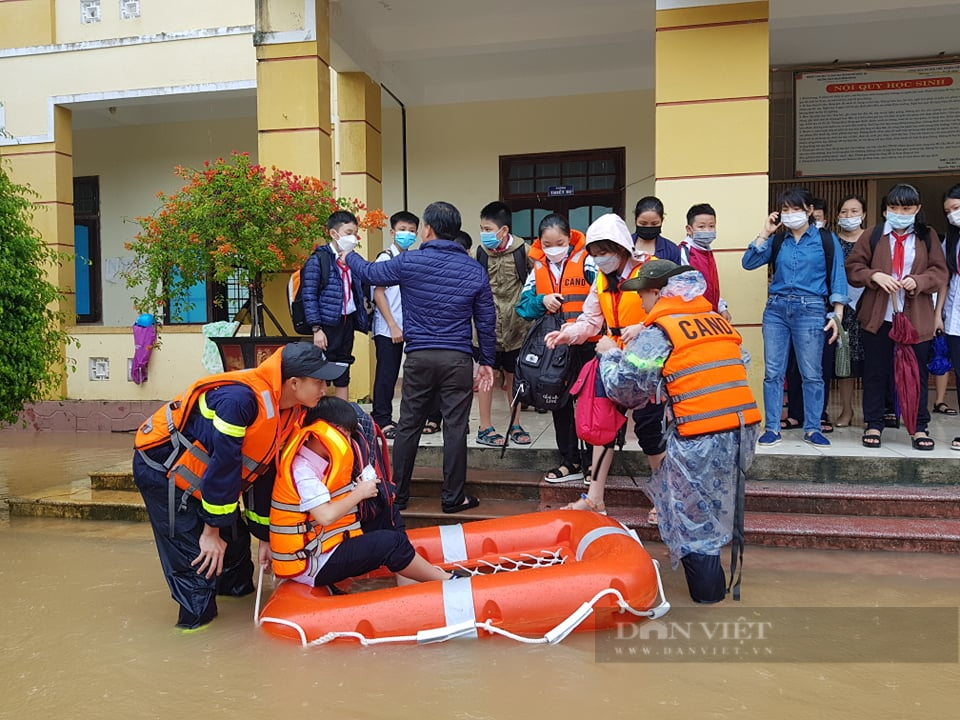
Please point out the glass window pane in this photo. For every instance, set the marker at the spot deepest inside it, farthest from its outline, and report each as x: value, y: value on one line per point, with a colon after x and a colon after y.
x: 602, y: 166
x: 577, y: 183
x: 598, y: 210
x: 602, y: 182
x: 520, y: 187
x: 580, y: 218
x: 544, y: 184
x: 521, y: 171
x: 538, y: 215
x: 575, y: 168
x: 548, y: 169
x: 81, y: 248
x: 521, y: 223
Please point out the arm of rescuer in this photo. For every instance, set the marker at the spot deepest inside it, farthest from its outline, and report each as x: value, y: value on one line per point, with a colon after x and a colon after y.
x: 631, y: 376
x: 220, y: 423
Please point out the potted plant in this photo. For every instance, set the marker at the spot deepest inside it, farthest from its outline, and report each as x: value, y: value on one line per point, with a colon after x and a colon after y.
x: 231, y: 219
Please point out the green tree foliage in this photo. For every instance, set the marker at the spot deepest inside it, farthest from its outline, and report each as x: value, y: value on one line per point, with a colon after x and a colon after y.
x: 32, y: 338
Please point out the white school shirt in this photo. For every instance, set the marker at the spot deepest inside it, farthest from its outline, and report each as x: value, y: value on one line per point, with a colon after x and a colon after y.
x: 380, y: 326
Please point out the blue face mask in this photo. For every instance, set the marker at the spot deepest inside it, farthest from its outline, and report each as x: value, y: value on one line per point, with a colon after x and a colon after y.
x: 900, y: 222
x: 404, y: 239
x: 489, y: 240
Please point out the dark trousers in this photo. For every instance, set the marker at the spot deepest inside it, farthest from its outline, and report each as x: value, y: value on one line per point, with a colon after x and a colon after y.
x: 427, y: 375
x: 953, y: 345
x: 365, y: 553
x: 389, y: 359
x: 795, y: 382
x: 196, y: 594
x: 878, y: 372
x: 705, y: 578
x: 564, y: 424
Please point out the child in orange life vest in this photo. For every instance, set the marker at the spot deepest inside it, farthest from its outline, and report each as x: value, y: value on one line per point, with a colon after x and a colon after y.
x: 315, y: 484
x: 611, y: 246
x: 560, y: 281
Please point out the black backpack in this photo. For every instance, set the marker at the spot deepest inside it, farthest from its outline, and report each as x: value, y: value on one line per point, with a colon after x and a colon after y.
x: 519, y: 259
x: 543, y: 376
x: 295, y: 292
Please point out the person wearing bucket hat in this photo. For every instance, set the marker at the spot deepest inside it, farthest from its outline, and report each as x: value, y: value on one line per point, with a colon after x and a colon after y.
x: 199, y: 453
x: 694, y: 355
x: 608, y: 308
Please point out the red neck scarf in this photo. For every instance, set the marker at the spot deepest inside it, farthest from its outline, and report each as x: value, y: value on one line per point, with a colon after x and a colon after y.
x: 704, y: 261
x: 898, y: 254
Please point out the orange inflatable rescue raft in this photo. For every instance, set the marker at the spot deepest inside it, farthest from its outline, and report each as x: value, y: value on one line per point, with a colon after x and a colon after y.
x: 534, y: 578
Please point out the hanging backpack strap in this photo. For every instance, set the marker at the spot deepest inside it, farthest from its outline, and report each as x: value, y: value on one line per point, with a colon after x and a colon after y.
x: 520, y: 259
x: 514, y: 411
x: 737, y: 543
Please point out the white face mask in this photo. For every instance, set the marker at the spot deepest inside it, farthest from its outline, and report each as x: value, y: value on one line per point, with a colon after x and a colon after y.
x: 849, y: 223
x: 954, y: 218
x: 556, y: 254
x: 819, y: 224
x: 795, y: 219
x: 607, y: 263
x: 346, y: 243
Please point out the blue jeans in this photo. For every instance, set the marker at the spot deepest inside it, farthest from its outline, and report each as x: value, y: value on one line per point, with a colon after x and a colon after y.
x: 797, y: 321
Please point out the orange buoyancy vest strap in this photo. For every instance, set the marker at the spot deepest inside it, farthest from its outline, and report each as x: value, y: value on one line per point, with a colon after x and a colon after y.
x: 188, y: 459
x: 705, y: 376
x: 295, y: 538
x: 620, y: 309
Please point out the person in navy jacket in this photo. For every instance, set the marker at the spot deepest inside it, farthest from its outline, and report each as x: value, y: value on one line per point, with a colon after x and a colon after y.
x: 444, y: 295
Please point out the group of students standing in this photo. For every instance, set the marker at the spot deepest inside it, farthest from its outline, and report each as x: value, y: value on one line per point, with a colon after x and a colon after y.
x: 866, y: 275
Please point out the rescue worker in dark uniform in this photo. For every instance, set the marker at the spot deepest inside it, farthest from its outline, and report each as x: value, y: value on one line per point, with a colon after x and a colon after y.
x: 198, y: 453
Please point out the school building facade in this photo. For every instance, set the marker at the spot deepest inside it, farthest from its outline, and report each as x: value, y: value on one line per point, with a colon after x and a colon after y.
x: 551, y: 105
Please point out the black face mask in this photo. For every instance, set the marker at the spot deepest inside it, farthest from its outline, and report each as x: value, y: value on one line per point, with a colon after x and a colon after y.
x: 648, y: 233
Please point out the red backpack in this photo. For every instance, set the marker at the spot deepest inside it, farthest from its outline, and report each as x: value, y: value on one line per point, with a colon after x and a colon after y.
x: 598, y: 419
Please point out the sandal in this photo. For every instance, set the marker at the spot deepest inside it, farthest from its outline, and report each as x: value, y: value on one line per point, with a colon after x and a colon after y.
x: 891, y: 420
x: 923, y: 442
x: 826, y: 427
x: 598, y: 508
x: 652, y: 517
x: 944, y: 409
x: 519, y: 436
x: 490, y: 437
x: 955, y: 445
x: 588, y: 475
x: 871, y: 441
x: 432, y: 426
x: 789, y: 423
x: 564, y: 473
x: 389, y: 431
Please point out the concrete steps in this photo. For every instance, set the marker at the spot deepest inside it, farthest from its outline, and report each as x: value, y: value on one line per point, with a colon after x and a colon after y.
x: 838, y: 515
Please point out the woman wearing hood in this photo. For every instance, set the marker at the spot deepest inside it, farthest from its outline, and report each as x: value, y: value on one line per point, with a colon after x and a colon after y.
x: 607, y: 306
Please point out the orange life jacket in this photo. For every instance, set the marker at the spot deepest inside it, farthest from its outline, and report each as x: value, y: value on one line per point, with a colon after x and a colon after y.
x: 620, y: 309
x: 295, y: 538
x: 188, y: 460
x: 704, y: 373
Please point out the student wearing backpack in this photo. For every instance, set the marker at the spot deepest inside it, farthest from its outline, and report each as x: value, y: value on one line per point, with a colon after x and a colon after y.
x: 317, y: 488
x: 796, y: 311
x: 504, y: 257
x: 334, y: 305
x: 901, y: 258
x: 560, y: 282
x: 694, y: 356
x: 607, y: 306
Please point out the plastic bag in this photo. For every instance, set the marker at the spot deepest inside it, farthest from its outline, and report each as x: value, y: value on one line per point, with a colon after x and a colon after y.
x: 842, y: 359
x: 939, y: 356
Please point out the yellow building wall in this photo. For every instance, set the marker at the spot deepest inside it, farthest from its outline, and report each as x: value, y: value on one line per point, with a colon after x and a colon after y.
x: 28, y: 22
x: 135, y: 162
x: 454, y: 150
x: 30, y: 81
x: 156, y: 16
x: 712, y: 134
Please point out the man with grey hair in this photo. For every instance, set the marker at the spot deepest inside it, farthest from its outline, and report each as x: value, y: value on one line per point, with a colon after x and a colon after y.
x: 444, y: 294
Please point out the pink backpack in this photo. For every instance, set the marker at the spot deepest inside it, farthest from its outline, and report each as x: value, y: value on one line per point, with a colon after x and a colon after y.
x: 598, y: 418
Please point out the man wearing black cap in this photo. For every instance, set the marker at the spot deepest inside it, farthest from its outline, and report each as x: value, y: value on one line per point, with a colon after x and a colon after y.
x: 691, y: 354
x: 198, y: 453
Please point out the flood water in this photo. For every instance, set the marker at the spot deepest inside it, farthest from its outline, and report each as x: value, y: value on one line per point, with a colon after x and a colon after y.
x: 86, y: 631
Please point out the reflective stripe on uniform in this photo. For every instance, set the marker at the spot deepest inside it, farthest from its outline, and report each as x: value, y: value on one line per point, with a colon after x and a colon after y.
x: 704, y: 366
x: 224, y: 509
x: 715, y: 413
x: 258, y: 519
x: 219, y: 424
x: 710, y: 389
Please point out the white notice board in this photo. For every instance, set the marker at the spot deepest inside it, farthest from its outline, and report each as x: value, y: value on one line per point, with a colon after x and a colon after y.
x: 894, y: 120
